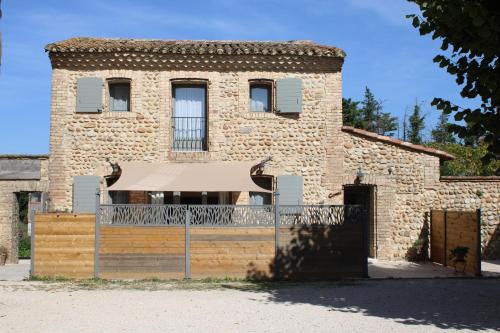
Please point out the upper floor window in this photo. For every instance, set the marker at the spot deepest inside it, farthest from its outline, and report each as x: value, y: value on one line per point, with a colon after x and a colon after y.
x: 261, y: 96
x: 189, y: 119
x: 119, y: 96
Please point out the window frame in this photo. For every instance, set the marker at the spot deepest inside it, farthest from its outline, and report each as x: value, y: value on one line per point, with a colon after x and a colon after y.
x: 113, y: 81
x: 261, y: 83
x: 189, y: 83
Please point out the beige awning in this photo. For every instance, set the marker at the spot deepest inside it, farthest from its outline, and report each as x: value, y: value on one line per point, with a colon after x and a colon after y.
x: 186, y: 177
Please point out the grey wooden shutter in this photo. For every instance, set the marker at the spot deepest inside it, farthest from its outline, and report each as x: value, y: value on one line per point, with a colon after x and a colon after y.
x: 89, y: 94
x: 289, y: 95
x: 291, y: 190
x: 84, y: 193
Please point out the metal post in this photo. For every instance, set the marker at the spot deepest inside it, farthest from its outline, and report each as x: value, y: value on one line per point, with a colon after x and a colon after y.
x: 478, y: 242
x: 277, y: 223
x: 32, y: 255
x: 97, y: 232
x: 187, y: 273
x: 445, y: 259
x: 365, y: 238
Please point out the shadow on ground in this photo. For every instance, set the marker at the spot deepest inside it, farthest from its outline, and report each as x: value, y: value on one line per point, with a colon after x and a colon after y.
x: 468, y: 304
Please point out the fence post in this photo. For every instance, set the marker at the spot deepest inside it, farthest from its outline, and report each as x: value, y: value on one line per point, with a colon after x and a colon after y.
x: 277, y: 223
x: 445, y: 259
x: 366, y: 231
x: 187, y: 273
x: 97, y: 231
x: 478, y: 242
x: 32, y: 250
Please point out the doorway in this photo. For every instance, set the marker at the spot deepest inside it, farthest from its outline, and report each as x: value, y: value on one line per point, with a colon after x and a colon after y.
x: 365, y: 195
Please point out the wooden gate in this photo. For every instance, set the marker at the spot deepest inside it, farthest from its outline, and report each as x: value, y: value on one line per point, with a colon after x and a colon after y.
x: 450, y: 229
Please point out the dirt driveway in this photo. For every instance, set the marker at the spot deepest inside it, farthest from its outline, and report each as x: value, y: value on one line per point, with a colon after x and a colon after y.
x: 364, y: 306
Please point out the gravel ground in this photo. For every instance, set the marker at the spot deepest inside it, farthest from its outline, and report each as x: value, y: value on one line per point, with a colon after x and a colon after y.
x: 423, y: 305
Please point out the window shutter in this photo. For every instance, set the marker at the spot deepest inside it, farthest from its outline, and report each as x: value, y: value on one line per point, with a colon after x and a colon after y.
x: 84, y: 193
x: 89, y: 94
x: 291, y: 190
x: 289, y: 95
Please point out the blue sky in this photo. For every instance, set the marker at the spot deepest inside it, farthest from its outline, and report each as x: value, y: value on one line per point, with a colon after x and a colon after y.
x: 384, y: 52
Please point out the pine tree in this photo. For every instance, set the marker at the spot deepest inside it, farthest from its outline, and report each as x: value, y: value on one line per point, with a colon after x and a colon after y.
x: 371, y: 109
x: 441, y: 133
x: 351, y: 113
x: 387, y: 124
x: 417, y: 125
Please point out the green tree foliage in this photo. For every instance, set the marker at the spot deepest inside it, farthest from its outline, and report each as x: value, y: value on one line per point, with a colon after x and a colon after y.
x: 369, y: 116
x: 467, y: 160
x: 351, y: 113
x: 469, y: 32
x: 442, y: 133
x: 370, y: 111
x: 417, y: 125
x: 387, y: 124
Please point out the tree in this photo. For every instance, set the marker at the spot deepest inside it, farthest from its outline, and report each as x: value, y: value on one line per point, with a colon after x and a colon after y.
x: 351, y: 113
x: 470, y: 33
x: 441, y: 133
x: 467, y: 160
x: 417, y: 125
x: 387, y: 124
x: 372, y: 117
x: 370, y: 111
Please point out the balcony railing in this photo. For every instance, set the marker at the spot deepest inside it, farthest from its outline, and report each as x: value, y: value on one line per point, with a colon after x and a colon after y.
x: 189, y: 134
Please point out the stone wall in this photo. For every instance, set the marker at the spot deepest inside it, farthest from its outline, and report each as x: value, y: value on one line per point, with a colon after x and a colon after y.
x: 408, y: 186
x: 308, y: 144
x: 471, y: 193
x: 9, y: 207
x: 405, y: 180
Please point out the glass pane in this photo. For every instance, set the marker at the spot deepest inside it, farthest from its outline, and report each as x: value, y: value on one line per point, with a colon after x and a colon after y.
x: 189, y: 118
x: 259, y: 99
x: 119, y: 96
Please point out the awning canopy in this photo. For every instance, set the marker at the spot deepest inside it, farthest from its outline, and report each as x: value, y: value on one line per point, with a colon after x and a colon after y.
x: 186, y: 177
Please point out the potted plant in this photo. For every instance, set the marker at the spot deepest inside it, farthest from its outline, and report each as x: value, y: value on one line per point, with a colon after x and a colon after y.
x: 457, y: 256
x: 459, y: 253
x: 3, y: 255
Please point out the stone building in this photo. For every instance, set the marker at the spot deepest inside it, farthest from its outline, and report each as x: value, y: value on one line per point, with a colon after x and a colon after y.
x: 191, y: 107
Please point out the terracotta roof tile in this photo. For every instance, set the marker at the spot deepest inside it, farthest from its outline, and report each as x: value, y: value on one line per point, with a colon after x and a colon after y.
x: 426, y: 150
x: 227, y: 47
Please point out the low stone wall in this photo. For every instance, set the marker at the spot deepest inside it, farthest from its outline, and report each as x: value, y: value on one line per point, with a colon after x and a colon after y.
x: 471, y: 193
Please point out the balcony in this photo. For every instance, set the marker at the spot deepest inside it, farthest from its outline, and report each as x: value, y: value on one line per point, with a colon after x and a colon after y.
x: 189, y: 134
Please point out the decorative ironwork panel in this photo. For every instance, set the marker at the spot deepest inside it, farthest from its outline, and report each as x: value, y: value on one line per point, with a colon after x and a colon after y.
x: 236, y: 215
x: 321, y: 214
x: 143, y: 214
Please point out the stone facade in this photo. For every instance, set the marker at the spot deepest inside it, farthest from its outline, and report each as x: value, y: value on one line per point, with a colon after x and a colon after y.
x: 408, y: 186
x: 471, y: 193
x: 9, y: 206
x: 312, y: 144
x: 307, y: 144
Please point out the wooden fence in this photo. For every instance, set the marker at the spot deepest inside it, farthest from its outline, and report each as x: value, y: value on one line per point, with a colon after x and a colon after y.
x: 65, y: 245
x: 450, y: 229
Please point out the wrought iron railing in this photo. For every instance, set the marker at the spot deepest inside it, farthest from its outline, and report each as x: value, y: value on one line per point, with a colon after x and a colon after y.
x: 230, y: 215
x: 189, y: 133
x: 143, y: 214
x: 320, y: 214
x: 220, y: 215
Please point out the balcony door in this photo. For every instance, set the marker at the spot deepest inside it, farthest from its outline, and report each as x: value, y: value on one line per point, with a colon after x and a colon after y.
x: 189, y: 118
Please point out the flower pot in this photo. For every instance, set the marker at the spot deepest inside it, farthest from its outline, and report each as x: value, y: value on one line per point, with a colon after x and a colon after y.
x: 3, y: 258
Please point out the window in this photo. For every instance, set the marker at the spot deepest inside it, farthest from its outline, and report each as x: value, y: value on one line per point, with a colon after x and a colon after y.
x: 119, y: 96
x: 262, y: 198
x: 261, y: 96
x: 189, y: 117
